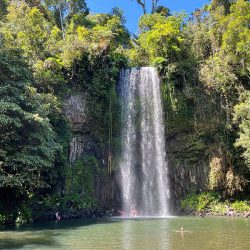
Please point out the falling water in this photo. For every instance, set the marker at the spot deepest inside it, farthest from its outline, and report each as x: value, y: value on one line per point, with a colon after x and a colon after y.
x: 143, y: 165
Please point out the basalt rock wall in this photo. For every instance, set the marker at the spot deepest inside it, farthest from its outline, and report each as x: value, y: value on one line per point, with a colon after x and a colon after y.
x: 188, y: 167
x: 82, y: 145
x: 187, y: 162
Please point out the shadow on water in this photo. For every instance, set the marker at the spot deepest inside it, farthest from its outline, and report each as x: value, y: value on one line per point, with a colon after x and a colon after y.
x: 19, y: 240
x: 42, y: 234
x: 130, y: 233
x: 56, y: 225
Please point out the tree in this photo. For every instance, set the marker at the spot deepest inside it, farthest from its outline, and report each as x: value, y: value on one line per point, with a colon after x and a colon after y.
x: 160, y: 37
x: 119, y: 13
x: 26, y: 28
x: 3, y: 8
x: 67, y: 9
x: 153, y: 4
x: 154, y: 8
x: 142, y: 3
x: 59, y: 8
x: 163, y: 10
x: 236, y: 38
x: 242, y: 117
x: 219, y: 37
x: 77, y: 6
x: 226, y: 70
x: 27, y: 140
x: 225, y: 4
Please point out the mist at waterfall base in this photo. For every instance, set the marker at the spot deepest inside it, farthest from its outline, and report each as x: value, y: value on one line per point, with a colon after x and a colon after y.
x: 143, y: 166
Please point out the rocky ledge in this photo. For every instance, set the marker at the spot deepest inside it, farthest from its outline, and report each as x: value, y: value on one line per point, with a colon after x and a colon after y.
x: 73, y: 214
x: 228, y: 214
x: 210, y: 213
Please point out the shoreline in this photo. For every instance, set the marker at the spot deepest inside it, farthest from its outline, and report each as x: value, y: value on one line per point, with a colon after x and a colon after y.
x: 217, y: 214
x: 108, y: 213
x: 91, y: 213
x: 101, y: 213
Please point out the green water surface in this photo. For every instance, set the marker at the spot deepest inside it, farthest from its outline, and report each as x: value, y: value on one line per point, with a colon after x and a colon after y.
x: 135, y: 234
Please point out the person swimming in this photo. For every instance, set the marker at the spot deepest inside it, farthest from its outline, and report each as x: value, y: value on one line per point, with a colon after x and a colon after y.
x: 58, y: 217
x: 121, y: 213
x: 133, y: 212
x: 181, y: 230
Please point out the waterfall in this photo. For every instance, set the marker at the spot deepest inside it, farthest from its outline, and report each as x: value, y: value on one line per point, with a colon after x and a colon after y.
x: 143, y: 165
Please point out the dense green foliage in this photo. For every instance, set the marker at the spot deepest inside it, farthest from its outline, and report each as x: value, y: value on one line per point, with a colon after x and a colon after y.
x: 204, y: 64
x: 52, y: 49
x: 47, y: 52
x: 211, y: 202
x: 27, y: 142
x: 27, y: 138
x: 199, y: 202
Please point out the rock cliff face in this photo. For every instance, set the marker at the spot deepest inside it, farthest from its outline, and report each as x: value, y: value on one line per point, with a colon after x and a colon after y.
x: 82, y: 145
x: 75, y: 111
x: 188, y: 167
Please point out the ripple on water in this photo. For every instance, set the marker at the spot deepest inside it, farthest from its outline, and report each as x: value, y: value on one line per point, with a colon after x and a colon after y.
x: 126, y: 233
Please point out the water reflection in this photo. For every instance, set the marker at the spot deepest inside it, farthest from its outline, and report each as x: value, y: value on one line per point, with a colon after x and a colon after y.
x: 127, y: 232
x: 131, y: 234
x: 145, y: 233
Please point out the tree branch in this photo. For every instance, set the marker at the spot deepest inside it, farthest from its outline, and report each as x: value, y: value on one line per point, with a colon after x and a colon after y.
x: 154, y: 4
x: 143, y: 5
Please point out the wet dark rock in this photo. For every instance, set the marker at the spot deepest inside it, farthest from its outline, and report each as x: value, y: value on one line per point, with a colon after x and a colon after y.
x: 74, y: 214
x: 231, y: 213
x: 247, y: 215
x: 188, y: 167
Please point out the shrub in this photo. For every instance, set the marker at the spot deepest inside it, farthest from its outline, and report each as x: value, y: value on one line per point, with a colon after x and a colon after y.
x: 219, y: 208
x: 2, y: 219
x: 200, y: 201
x: 216, y: 175
x: 240, y: 206
x: 24, y: 215
x: 76, y: 201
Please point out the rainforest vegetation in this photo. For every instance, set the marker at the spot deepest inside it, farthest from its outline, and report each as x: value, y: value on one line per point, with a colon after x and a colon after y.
x: 53, y: 48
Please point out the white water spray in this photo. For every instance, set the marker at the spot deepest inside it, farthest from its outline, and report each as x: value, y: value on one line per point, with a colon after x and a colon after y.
x: 143, y: 165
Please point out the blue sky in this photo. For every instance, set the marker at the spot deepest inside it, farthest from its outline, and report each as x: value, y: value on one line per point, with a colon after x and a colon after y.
x: 133, y: 11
